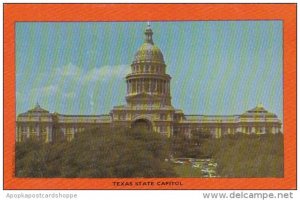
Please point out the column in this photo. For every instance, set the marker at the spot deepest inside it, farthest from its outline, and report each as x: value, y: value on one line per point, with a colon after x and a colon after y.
x: 167, y: 87
x: 50, y: 134
x: 64, y: 131
x: 38, y: 131
x: 73, y: 132
x: 130, y: 86
x: 47, y: 134
x: 146, y: 85
x: 243, y: 129
x: 135, y: 86
x: 273, y: 130
x: 220, y: 134
x: 28, y: 132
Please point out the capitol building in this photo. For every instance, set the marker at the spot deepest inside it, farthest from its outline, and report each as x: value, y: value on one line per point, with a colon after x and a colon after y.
x: 148, y: 106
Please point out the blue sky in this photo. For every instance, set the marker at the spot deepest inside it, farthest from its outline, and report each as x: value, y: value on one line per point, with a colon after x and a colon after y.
x: 217, y: 67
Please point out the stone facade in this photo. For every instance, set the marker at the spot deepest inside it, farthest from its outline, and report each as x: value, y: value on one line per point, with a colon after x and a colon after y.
x: 148, y: 105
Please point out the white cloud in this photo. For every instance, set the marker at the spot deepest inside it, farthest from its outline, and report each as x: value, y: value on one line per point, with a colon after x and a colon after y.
x: 44, y: 91
x: 97, y: 74
x: 83, y: 79
x: 68, y: 70
x: 105, y: 73
x: 70, y: 95
x: 51, y: 89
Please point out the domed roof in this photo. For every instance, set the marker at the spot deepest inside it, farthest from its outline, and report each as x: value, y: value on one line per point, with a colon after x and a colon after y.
x: 259, y: 110
x: 148, y: 52
x: 36, y: 111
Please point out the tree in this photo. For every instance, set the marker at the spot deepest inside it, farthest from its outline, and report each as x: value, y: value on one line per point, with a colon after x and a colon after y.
x: 200, y: 135
x: 98, y: 152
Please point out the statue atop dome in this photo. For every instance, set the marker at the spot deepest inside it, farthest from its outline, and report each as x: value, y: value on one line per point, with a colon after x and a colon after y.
x: 149, y: 52
x: 148, y: 34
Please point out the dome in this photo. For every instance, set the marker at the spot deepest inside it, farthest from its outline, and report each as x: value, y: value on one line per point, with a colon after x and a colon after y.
x: 258, y: 111
x: 38, y: 109
x: 148, y: 52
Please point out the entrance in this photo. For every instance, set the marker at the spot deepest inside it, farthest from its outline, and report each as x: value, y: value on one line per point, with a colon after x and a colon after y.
x: 142, y: 124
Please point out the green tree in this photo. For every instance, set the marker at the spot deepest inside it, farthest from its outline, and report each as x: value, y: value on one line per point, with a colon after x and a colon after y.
x: 97, y: 152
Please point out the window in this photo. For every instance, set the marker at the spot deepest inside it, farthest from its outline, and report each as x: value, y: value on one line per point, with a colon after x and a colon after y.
x: 23, y: 128
x: 32, y: 129
x: 122, y: 116
x: 23, y: 137
x: 32, y: 135
x: 43, y: 129
x: 162, y: 129
x: 163, y: 117
x: 44, y: 137
x: 69, y: 137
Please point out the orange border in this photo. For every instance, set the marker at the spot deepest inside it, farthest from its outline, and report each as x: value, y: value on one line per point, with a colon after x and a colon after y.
x: 144, y: 12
